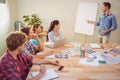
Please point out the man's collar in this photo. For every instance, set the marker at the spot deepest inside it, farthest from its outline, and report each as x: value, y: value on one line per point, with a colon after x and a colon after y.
x: 108, y: 14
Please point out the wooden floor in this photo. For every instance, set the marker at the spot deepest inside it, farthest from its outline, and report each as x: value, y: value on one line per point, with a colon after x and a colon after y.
x: 76, y: 71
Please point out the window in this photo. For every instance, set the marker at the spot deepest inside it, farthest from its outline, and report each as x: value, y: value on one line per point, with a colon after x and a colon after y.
x: 4, y: 25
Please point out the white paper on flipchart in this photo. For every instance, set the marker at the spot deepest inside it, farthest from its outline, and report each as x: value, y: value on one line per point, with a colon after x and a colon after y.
x: 86, y: 11
x: 50, y: 74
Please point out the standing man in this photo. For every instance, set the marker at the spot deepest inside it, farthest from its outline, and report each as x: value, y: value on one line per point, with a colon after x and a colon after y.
x: 107, y: 23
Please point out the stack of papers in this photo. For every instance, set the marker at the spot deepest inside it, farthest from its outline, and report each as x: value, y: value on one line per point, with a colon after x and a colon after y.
x: 60, y: 56
x: 49, y: 75
x: 89, y: 51
x: 94, y: 45
x: 76, y: 43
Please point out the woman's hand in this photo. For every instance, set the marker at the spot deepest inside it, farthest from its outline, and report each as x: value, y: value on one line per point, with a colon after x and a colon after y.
x: 35, y: 36
x: 56, y: 62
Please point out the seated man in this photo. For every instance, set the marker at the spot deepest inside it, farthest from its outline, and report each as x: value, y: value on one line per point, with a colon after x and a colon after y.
x: 15, y: 65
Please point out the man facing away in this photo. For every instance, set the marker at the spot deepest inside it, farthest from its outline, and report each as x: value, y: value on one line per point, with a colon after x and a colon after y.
x: 107, y: 23
x: 15, y: 65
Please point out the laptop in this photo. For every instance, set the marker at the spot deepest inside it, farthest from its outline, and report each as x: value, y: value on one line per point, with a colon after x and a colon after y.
x: 55, y: 44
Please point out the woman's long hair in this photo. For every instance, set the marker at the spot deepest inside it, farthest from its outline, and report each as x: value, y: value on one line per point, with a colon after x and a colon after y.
x: 52, y: 25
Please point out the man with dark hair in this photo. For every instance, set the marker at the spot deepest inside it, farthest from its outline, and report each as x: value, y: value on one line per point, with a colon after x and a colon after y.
x: 107, y: 23
x: 107, y: 4
x: 15, y: 65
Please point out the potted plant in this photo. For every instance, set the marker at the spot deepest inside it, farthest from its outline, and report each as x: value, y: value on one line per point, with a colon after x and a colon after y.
x: 31, y: 20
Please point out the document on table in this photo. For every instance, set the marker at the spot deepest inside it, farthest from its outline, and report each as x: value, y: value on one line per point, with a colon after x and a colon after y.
x: 87, y: 61
x: 49, y: 75
x: 118, y: 47
x: 99, y: 58
x: 71, y: 51
x: 94, y: 45
x: 110, y: 59
x: 50, y: 57
x: 114, y: 50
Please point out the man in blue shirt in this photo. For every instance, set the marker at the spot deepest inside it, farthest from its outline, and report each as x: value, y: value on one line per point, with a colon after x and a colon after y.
x: 107, y: 23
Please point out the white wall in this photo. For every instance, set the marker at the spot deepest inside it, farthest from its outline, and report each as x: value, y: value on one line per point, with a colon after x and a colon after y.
x: 12, y: 9
x: 65, y: 11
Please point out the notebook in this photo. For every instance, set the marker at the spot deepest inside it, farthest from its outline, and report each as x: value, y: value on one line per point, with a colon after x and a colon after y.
x: 55, y: 44
x: 49, y: 75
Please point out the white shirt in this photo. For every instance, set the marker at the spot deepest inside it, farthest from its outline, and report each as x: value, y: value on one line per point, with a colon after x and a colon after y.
x: 52, y: 37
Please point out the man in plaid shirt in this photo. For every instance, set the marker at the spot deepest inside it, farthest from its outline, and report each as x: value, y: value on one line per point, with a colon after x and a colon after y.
x: 15, y: 65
